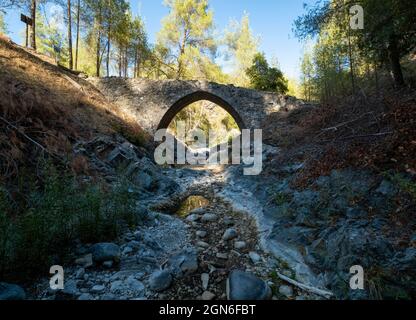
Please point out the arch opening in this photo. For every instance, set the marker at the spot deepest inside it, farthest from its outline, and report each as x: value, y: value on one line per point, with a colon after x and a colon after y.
x: 195, y: 97
x: 204, y: 112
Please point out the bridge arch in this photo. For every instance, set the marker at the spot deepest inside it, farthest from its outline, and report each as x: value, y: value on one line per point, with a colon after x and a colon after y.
x: 195, y: 97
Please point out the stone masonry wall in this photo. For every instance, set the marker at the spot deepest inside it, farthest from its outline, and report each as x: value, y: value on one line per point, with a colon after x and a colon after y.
x: 149, y: 100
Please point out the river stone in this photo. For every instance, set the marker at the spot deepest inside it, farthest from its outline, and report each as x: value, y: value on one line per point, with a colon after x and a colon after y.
x: 202, y: 244
x: 117, y: 286
x: 228, y: 221
x: 209, y: 217
x: 193, y: 218
x: 127, y: 250
x: 184, y: 263
x: 131, y: 284
x: 108, y: 264
x: 230, y: 234
x: 97, y: 288
x: 144, y: 180
x: 386, y: 188
x: 208, y: 296
x: 80, y: 273
x: 240, y: 245
x: 205, y: 280
x: 286, y: 291
x: 85, y: 261
x: 134, y: 285
x: 160, y: 280
x: 222, y: 256
x: 201, y: 234
x: 355, y: 213
x: 11, y: 292
x: 198, y: 211
x: 85, y: 297
x: 246, y: 286
x: 108, y: 297
x: 254, y: 257
x: 71, y: 288
x: 102, y: 252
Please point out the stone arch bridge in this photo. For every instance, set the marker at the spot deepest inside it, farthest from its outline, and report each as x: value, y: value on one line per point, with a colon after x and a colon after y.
x: 154, y: 103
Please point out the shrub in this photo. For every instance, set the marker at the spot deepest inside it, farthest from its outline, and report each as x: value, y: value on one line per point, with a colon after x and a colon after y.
x: 41, y: 229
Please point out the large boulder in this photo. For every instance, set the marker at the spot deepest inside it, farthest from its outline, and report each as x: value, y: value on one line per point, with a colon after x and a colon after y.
x: 11, y: 292
x: 230, y: 234
x: 184, y: 263
x: 129, y: 286
x: 160, y: 280
x: 246, y: 286
x: 102, y: 252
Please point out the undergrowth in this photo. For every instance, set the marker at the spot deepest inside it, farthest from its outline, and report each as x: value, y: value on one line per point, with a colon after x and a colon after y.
x: 41, y: 221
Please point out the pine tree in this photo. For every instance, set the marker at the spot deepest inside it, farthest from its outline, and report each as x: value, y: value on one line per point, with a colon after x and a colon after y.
x: 3, y: 27
x: 33, y: 26
x: 69, y: 17
x: 242, y: 47
x: 266, y: 78
x: 187, y: 31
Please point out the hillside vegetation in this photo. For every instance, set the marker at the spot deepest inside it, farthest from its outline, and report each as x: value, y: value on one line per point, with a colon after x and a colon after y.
x: 52, y: 190
x: 45, y: 110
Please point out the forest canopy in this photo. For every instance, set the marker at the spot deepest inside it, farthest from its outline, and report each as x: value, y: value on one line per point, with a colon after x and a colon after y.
x: 105, y: 38
x: 344, y: 60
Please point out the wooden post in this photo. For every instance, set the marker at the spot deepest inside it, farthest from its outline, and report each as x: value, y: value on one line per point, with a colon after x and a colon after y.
x: 28, y: 21
x: 27, y: 35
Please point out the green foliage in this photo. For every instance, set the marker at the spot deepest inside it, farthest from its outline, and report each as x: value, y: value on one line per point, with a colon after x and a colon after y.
x: 3, y: 27
x: 206, y: 116
x: 282, y: 198
x: 344, y: 60
x: 263, y: 77
x: 50, y: 41
x: 131, y: 133
x: 86, y: 61
x: 242, y: 47
x: 34, y: 233
x: 405, y: 184
x: 187, y: 34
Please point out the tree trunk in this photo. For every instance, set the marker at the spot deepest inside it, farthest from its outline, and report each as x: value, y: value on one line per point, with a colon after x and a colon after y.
x: 135, y: 64
x: 126, y: 62
x: 138, y: 62
x: 394, y: 57
x: 120, y: 54
x: 351, y: 62
x: 70, y: 62
x: 77, y: 41
x: 181, y: 52
x: 33, y: 27
x: 98, y: 62
x: 108, y: 48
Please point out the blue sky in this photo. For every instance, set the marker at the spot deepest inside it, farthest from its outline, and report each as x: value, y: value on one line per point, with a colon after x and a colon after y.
x: 272, y: 20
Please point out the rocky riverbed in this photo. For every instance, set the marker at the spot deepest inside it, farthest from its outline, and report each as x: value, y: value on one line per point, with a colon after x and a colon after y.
x: 212, y: 252
x: 251, y: 238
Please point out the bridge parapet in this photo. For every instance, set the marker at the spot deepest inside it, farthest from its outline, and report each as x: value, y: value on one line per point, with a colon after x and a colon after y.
x: 154, y: 103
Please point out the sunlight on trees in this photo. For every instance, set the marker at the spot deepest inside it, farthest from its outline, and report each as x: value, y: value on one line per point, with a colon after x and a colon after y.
x: 345, y: 61
x: 3, y: 27
x: 205, y: 115
x: 104, y: 38
x: 266, y: 78
x: 242, y: 46
x: 187, y: 35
